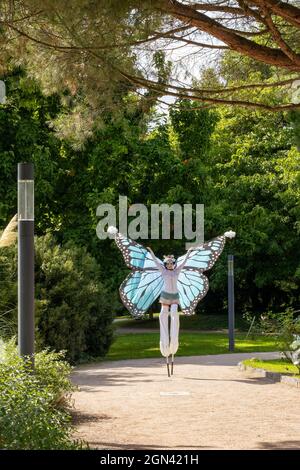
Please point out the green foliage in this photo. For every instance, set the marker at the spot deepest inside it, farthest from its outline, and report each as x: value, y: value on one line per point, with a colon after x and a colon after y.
x: 193, y: 128
x: 281, y: 366
x: 91, y: 71
x: 101, y: 50
x: 256, y: 191
x: 285, y: 327
x: 29, y: 416
x: 25, y: 136
x: 241, y: 165
x: 73, y: 308
x: 53, y: 371
x: 124, y: 159
x: 8, y: 292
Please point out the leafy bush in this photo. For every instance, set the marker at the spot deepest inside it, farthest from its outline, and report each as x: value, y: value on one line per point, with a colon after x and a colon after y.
x: 73, y: 311
x: 8, y: 292
x: 53, y: 371
x: 73, y: 308
x: 285, y: 327
x: 29, y: 415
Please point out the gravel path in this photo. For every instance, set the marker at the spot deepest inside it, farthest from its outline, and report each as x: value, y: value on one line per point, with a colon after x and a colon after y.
x: 207, y: 404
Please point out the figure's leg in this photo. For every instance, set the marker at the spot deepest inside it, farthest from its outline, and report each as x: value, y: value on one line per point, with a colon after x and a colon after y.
x: 168, y: 366
x: 164, y: 333
x: 174, y: 332
x: 164, y: 330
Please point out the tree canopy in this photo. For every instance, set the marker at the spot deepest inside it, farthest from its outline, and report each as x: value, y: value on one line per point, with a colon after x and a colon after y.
x: 241, y: 165
x: 105, y: 49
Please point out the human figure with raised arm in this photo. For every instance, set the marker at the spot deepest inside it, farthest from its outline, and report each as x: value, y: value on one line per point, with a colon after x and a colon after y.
x: 177, y: 282
x: 169, y: 300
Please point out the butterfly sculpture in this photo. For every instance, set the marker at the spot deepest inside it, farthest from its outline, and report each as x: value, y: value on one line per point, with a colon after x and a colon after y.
x: 176, y: 282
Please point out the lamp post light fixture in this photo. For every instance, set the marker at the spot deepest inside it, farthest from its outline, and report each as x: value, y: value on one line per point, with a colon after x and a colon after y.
x: 26, y: 261
x: 231, y: 235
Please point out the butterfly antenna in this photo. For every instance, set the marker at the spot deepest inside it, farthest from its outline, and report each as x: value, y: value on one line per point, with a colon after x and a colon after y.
x: 168, y: 366
x: 172, y: 364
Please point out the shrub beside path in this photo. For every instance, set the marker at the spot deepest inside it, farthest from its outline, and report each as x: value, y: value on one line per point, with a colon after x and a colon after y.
x: 207, y: 404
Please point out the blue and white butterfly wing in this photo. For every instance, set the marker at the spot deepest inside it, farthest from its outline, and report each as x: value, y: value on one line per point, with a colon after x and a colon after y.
x: 203, y: 257
x: 134, y: 254
x: 142, y: 286
x: 192, y: 284
x: 140, y: 289
x: 192, y: 287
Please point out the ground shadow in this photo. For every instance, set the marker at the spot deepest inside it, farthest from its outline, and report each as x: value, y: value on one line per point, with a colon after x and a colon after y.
x: 222, y: 359
x: 280, y: 445
x: 82, y: 418
x: 116, y: 446
x: 86, y: 382
x: 90, y: 382
x: 250, y: 380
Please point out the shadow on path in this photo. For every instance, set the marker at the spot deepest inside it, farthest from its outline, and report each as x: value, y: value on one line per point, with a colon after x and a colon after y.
x: 115, y: 445
x: 285, y: 445
x: 91, y: 382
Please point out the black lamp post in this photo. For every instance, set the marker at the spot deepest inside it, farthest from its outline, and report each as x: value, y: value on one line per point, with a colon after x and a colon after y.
x: 26, y: 261
x: 230, y: 273
x: 231, y: 302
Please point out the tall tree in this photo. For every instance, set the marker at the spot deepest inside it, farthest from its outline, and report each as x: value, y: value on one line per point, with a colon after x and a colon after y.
x: 255, y: 189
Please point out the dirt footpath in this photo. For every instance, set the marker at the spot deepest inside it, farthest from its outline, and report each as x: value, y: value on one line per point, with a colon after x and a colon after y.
x: 207, y: 404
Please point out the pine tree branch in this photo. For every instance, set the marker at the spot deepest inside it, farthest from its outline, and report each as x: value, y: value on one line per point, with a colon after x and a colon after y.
x: 162, y: 89
x: 289, y: 12
x: 279, y: 39
x: 230, y: 37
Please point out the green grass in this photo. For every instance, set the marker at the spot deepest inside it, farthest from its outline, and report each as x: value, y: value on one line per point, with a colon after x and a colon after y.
x: 194, y: 322
x: 275, y: 365
x: 144, y: 345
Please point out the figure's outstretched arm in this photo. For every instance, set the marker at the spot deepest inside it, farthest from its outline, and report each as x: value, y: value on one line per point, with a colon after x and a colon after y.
x: 155, y: 259
x: 185, y: 258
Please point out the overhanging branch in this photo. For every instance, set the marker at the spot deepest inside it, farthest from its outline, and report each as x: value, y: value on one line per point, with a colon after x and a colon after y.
x: 182, y: 93
x: 228, y: 36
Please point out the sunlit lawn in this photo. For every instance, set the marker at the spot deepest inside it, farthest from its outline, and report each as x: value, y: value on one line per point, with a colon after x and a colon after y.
x: 275, y: 365
x: 143, y: 345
